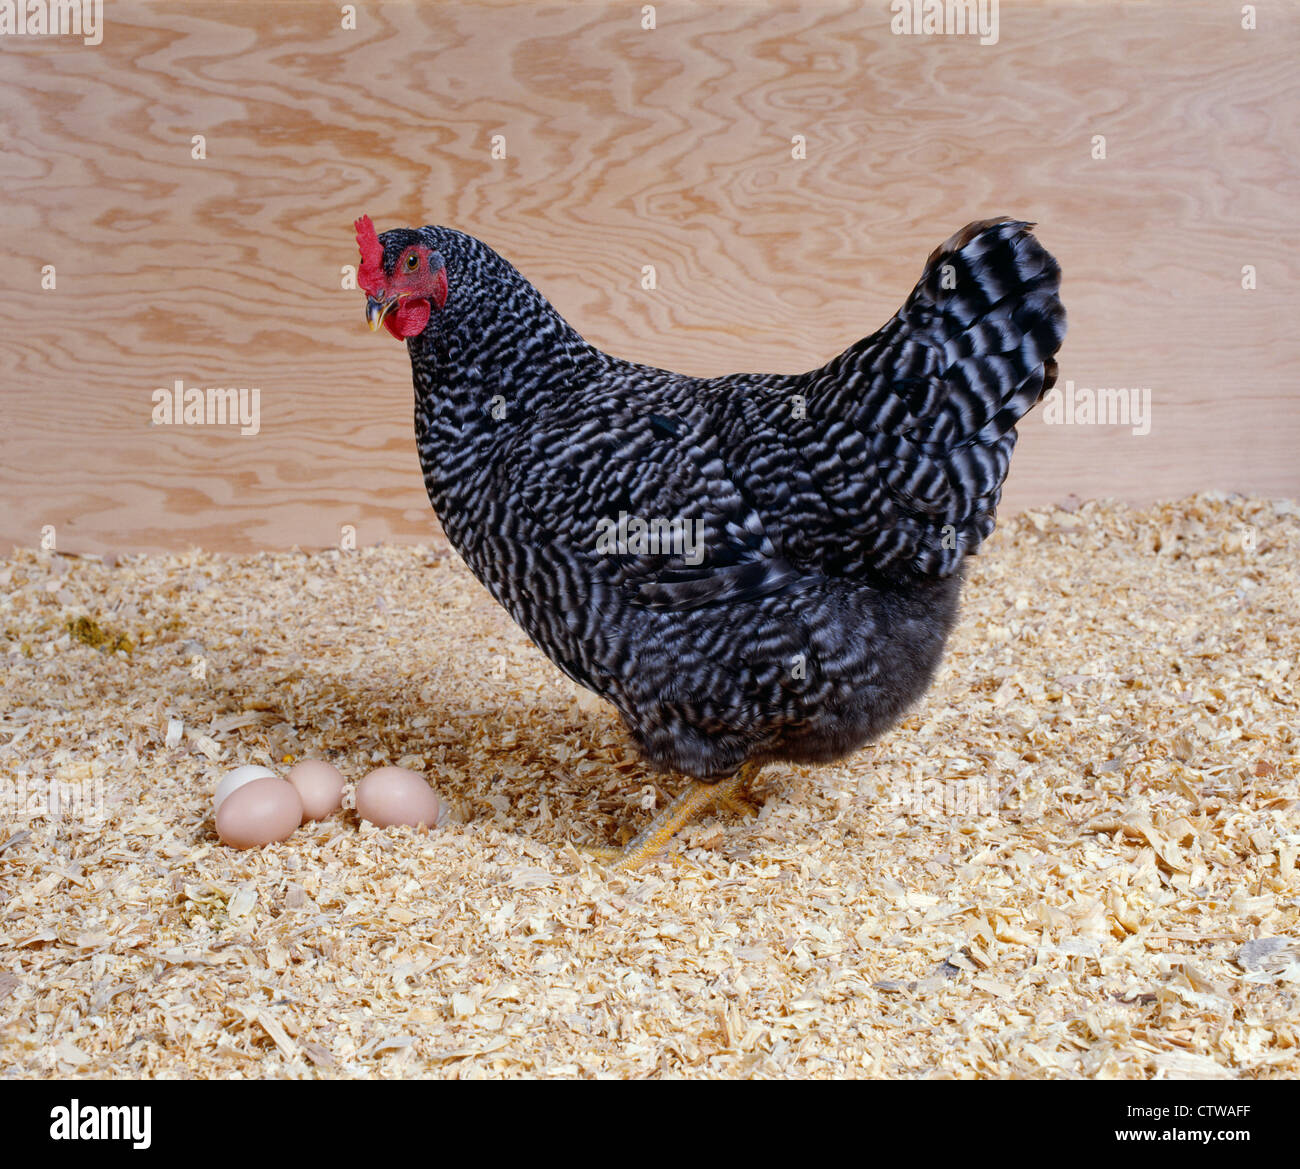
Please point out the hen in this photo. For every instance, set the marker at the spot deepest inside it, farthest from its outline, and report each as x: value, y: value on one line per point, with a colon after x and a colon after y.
x: 750, y: 568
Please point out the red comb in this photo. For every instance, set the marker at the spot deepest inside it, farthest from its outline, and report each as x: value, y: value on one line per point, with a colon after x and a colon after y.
x: 371, y: 275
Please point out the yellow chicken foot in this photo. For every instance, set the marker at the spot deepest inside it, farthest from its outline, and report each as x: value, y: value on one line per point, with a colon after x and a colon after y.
x: 697, y: 798
x: 740, y: 803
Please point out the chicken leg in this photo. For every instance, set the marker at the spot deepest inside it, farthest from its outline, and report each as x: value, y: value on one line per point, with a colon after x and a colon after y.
x: 697, y: 798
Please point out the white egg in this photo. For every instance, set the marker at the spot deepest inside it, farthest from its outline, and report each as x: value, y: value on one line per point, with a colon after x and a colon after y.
x: 233, y: 780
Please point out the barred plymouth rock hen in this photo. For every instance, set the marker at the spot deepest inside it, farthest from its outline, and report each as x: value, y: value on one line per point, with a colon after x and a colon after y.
x: 750, y: 568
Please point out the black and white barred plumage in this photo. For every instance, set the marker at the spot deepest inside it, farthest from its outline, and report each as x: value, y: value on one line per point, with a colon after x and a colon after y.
x: 837, y: 506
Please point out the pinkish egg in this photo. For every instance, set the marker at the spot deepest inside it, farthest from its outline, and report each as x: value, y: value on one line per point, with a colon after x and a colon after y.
x: 394, y: 795
x: 320, y: 785
x: 260, y: 812
x: 234, y: 780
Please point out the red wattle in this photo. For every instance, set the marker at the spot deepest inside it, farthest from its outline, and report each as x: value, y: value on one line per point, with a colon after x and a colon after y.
x: 408, y: 319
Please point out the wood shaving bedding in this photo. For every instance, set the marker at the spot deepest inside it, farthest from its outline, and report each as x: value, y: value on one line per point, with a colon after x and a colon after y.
x: 1076, y: 858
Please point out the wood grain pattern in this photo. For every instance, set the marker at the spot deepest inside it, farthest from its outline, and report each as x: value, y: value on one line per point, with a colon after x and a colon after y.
x: 626, y: 147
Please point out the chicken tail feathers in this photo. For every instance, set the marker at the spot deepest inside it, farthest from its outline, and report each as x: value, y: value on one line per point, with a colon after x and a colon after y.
x: 992, y: 290
x: 939, y: 390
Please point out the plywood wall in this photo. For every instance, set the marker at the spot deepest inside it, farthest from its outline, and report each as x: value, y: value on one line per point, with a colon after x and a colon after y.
x: 625, y: 147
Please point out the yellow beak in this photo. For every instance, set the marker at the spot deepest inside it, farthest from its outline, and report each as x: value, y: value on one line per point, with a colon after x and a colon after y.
x: 377, y: 310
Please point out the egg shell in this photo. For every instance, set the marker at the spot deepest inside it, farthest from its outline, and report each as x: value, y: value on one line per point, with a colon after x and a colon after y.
x: 320, y: 785
x: 393, y: 795
x: 262, y: 811
x: 233, y: 780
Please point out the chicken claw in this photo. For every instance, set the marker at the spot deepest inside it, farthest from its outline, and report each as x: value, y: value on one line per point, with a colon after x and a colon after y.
x: 698, y: 798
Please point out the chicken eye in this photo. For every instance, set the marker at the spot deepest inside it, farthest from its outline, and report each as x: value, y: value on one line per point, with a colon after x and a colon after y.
x: 412, y: 262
